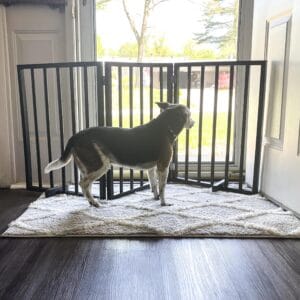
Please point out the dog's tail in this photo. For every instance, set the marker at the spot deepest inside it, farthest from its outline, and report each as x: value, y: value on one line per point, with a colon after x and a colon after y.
x: 63, y: 161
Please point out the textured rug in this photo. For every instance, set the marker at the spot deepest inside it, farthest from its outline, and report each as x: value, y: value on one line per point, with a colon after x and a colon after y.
x: 194, y: 212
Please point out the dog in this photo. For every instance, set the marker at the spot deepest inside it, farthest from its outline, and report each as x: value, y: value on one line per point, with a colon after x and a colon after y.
x: 147, y: 147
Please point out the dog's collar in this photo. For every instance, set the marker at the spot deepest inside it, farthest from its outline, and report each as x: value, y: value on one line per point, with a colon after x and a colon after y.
x: 171, y: 133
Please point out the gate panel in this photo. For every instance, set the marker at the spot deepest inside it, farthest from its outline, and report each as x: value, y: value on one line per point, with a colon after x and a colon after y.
x: 214, y: 152
x: 57, y: 100
x: 131, y: 91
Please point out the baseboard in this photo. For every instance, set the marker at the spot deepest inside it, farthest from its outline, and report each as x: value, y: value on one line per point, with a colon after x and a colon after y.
x: 280, y: 204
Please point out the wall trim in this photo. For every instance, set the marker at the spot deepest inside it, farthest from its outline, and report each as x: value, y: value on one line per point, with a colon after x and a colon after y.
x: 70, y: 31
x: 280, y: 204
x: 7, y: 165
x: 244, y: 42
x: 277, y: 142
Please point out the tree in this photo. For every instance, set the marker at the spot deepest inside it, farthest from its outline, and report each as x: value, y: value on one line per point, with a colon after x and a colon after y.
x: 128, y: 50
x: 140, y: 30
x: 101, y: 4
x: 159, y: 48
x: 219, y: 22
x: 192, y: 51
x: 100, y: 49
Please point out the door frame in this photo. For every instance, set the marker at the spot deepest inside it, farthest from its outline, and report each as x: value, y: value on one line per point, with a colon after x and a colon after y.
x: 79, y: 22
x: 7, y: 166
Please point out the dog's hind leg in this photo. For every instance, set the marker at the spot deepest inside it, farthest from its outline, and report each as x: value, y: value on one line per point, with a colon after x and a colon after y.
x: 92, y: 164
x: 163, y: 171
x: 87, y: 181
x: 153, y: 182
x: 162, y: 181
x: 85, y: 184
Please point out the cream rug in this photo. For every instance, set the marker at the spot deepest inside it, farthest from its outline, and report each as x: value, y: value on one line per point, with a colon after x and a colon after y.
x: 194, y: 212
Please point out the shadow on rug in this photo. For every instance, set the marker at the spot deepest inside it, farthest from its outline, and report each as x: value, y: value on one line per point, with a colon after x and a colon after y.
x: 194, y: 212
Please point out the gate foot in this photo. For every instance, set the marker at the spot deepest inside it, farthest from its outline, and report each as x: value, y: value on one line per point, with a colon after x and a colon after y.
x: 53, y: 191
x: 219, y: 185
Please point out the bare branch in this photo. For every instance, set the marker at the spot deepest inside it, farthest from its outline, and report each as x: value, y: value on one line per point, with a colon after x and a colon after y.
x: 131, y: 22
x: 157, y: 3
x: 146, y: 13
x: 140, y: 31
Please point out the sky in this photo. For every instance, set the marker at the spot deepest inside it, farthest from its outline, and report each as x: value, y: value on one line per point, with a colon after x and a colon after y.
x: 175, y: 20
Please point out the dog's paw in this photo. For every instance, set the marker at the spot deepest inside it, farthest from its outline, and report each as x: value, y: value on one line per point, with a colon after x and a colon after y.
x: 166, y: 204
x: 156, y: 197
x: 95, y: 204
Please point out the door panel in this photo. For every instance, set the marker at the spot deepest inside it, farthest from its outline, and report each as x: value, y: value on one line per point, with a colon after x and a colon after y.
x: 36, y: 34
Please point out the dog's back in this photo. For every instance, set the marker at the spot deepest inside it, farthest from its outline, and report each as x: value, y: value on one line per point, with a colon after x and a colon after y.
x: 130, y: 147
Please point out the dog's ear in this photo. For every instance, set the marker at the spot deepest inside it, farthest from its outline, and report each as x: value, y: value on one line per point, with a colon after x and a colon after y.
x: 163, y: 105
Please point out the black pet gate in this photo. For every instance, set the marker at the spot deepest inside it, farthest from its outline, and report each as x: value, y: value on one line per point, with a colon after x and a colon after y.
x: 222, y: 150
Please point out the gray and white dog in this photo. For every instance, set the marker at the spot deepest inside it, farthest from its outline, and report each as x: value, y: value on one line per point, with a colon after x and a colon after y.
x: 147, y: 147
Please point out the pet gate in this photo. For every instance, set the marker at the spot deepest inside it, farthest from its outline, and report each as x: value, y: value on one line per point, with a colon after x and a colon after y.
x: 222, y: 150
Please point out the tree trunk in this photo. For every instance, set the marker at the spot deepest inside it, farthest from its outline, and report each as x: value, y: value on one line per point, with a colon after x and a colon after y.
x: 140, y: 51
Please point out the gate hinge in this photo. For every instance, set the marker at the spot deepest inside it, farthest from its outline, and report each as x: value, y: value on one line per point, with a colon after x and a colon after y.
x: 173, y: 79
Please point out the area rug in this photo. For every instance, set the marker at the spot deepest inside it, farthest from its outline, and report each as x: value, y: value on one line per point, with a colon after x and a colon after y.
x: 194, y: 212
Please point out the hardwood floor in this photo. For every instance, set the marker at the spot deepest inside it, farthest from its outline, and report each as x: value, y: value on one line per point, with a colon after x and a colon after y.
x: 13, y: 203
x: 93, y: 268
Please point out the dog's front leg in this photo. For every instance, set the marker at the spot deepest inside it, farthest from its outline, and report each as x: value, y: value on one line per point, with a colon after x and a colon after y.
x: 162, y: 180
x: 153, y: 182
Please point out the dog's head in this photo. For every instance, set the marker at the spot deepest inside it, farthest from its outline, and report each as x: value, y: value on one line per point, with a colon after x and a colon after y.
x: 178, y: 116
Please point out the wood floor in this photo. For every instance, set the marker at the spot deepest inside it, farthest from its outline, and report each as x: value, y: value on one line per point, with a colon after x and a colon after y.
x: 93, y: 268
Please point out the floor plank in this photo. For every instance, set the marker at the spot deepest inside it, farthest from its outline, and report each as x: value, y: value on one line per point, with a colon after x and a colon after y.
x: 13, y: 203
x: 93, y: 268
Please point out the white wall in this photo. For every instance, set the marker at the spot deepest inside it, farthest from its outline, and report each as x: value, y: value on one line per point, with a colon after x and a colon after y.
x: 281, y: 167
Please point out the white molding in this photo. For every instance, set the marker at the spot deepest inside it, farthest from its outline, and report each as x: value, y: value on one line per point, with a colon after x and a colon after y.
x: 7, y: 163
x: 273, y: 142
x: 87, y: 25
x: 280, y: 204
x: 70, y: 31
x: 244, y: 43
x: 298, y: 144
x: 85, y: 49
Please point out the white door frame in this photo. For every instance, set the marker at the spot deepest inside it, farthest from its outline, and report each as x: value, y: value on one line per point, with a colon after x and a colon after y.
x: 7, y: 163
x: 79, y: 22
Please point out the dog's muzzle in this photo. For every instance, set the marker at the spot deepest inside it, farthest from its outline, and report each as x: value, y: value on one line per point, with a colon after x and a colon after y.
x: 191, y: 123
